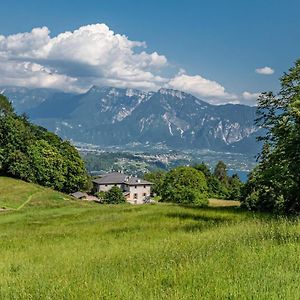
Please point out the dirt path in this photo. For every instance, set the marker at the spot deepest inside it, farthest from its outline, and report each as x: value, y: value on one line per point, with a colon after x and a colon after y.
x: 27, y: 201
x: 20, y: 207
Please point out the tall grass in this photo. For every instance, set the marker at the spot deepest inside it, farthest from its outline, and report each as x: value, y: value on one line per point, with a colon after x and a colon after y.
x: 71, y: 250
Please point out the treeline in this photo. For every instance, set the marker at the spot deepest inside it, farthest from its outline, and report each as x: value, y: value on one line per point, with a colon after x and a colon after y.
x: 194, y: 185
x: 33, y: 154
x: 274, y: 185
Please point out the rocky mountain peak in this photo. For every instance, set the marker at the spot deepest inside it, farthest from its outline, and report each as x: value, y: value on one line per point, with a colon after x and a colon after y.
x: 173, y: 93
x: 112, y: 116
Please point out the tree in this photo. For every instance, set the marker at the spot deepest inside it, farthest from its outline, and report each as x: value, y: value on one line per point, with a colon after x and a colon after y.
x: 5, y: 106
x: 204, y: 169
x: 234, y: 187
x: 221, y: 172
x: 48, y: 165
x: 275, y: 184
x: 114, y: 196
x: 157, y: 178
x: 216, y: 188
x: 77, y: 178
x: 185, y: 185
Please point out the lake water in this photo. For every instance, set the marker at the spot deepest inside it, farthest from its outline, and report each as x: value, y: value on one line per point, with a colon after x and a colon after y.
x: 242, y: 174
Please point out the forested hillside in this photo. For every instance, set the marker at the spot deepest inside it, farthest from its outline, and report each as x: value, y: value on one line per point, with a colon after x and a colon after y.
x: 31, y: 153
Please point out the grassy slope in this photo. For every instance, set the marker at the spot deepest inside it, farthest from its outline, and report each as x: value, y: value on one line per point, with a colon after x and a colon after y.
x: 56, y: 248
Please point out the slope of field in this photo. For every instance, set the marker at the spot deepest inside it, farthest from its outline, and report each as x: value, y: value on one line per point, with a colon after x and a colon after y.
x: 16, y: 194
x: 57, y: 248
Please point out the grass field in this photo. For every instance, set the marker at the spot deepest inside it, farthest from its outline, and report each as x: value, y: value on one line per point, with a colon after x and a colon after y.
x: 56, y: 248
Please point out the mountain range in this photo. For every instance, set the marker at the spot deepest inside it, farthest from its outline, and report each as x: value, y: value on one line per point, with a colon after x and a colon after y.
x: 109, y: 116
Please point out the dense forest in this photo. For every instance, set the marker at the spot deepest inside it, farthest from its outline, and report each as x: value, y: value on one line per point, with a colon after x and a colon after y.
x: 31, y: 153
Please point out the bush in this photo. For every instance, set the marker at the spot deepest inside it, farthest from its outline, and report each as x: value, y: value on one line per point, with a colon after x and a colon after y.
x: 185, y: 185
x: 114, y: 196
x: 100, y: 195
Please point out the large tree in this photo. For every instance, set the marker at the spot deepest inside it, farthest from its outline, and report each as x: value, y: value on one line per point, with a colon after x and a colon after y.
x: 220, y: 172
x: 157, y: 178
x: 275, y: 184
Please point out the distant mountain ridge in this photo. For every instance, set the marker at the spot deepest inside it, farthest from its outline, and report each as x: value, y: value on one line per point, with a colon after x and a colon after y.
x: 115, y: 116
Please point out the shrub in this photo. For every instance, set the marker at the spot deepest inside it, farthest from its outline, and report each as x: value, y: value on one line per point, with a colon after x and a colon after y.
x: 185, y: 185
x: 114, y: 196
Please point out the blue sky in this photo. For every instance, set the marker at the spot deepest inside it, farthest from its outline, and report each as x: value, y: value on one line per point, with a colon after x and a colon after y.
x: 220, y: 41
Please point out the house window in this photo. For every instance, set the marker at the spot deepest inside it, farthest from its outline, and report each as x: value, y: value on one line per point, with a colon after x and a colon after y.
x: 115, y: 184
x: 135, y: 187
x: 106, y: 185
x: 135, y: 196
x: 144, y: 194
x: 144, y: 186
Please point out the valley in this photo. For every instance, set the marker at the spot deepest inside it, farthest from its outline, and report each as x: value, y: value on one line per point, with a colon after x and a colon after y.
x: 139, y: 160
x: 107, y: 116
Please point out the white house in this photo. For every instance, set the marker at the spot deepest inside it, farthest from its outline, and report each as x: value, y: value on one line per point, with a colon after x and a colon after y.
x: 135, y: 190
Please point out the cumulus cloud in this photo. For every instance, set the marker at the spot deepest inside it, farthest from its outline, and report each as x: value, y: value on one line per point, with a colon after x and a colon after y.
x: 202, y: 87
x: 265, y: 71
x: 35, y: 75
x: 95, y: 55
x: 250, y: 97
x: 92, y: 54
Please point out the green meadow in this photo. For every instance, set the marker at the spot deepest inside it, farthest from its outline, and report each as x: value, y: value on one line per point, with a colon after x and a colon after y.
x: 53, y: 247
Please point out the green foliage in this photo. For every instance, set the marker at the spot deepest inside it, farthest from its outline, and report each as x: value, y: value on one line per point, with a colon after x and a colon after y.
x: 220, y: 172
x: 77, y: 178
x: 33, y: 154
x: 47, y: 165
x: 114, y: 196
x: 204, y: 169
x: 5, y: 106
x: 157, y: 178
x: 100, y: 195
x: 220, y: 185
x: 185, y: 185
x: 227, y: 188
x: 275, y: 184
x: 234, y: 187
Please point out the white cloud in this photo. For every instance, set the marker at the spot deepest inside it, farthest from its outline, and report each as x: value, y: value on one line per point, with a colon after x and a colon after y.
x: 265, y: 71
x: 250, y: 97
x: 95, y: 55
x: 35, y: 75
x: 92, y: 54
x: 201, y: 87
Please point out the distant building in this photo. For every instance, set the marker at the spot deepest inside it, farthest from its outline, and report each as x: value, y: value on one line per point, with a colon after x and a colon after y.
x: 84, y: 196
x: 79, y: 195
x: 135, y: 190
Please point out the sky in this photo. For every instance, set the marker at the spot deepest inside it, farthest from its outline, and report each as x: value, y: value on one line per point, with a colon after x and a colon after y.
x: 220, y: 51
